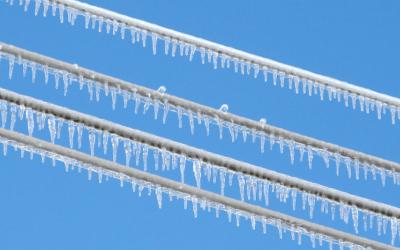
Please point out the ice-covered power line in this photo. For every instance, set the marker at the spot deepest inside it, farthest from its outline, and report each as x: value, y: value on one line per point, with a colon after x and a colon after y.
x: 139, y: 145
x: 199, y: 198
x: 97, y: 83
x: 217, y: 54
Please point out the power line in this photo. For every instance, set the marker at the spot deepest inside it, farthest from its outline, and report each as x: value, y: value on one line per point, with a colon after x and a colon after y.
x: 191, y: 44
x: 202, y: 155
x: 233, y: 122
x: 64, y: 154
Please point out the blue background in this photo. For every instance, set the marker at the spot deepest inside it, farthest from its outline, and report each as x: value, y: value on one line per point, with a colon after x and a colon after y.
x: 357, y: 41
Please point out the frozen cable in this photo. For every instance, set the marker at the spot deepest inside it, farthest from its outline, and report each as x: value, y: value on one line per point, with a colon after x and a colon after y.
x: 198, y: 197
x: 140, y: 144
x: 97, y: 83
x: 217, y: 54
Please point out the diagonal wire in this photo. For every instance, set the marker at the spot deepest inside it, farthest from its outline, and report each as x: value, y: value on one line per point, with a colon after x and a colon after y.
x: 91, y: 122
x: 188, y: 45
x: 235, y: 123
x: 69, y: 156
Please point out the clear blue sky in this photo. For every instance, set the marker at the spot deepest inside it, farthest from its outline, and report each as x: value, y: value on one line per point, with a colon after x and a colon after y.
x: 357, y: 41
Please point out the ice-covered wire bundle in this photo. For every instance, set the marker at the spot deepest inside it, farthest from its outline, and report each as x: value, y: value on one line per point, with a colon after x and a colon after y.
x: 97, y: 83
x: 200, y: 199
x: 258, y: 183
x: 220, y: 56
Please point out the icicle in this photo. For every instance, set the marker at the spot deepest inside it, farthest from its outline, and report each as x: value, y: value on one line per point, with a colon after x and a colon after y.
x: 214, y: 173
x: 71, y: 131
x: 310, y: 156
x: 379, y: 106
x: 144, y: 37
x: 237, y: 215
x: 182, y: 165
x: 294, y: 196
x: 156, y: 153
x: 156, y: 107
x: 52, y: 128
x: 337, y: 162
x: 145, y: 155
x: 114, y: 25
x: 393, y: 114
x: 197, y: 172
x: 281, y: 144
x: 354, y: 214
x: 203, y: 55
x: 113, y: 97
x: 394, y: 228
x: 61, y: 12
x: 60, y: 123
x: 167, y: 42
x: 24, y: 67
x: 137, y: 102
x: 5, y: 147
x: 13, y: 111
x: 291, y: 150
x: 92, y: 140
x: 165, y: 159
x: 282, y: 79
x: 357, y: 169
x: 26, y: 5
x: 80, y: 131
x: 30, y: 120
x: 215, y: 59
x: 274, y: 76
x: 166, y: 110
x: 279, y: 226
x: 325, y: 156
x: 154, y: 38
x: 192, y: 51
x: 33, y: 69
x: 3, y: 109
x: 207, y: 124
x: 312, y: 239
x: 311, y: 203
x: 265, y: 73
x: 11, y: 60
x: 194, y: 204
x: 347, y: 162
x: 179, y: 111
x: 87, y: 20
x: 241, y: 182
x: 222, y: 174
x: 89, y: 85
x: 105, y: 142
x: 174, y: 46
x: 159, y: 197
x: 253, y: 222
x: 296, y: 84
x: 379, y: 224
x: 231, y: 131
x: 353, y: 100
x: 383, y: 176
x: 220, y: 126
x: 301, y: 149
x: 126, y: 96
x: 191, y: 121
x: 114, y: 143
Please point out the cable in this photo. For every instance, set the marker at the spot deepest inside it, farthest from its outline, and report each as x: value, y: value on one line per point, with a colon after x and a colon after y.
x: 236, y: 124
x: 188, y: 45
x: 91, y: 122
x: 91, y: 163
